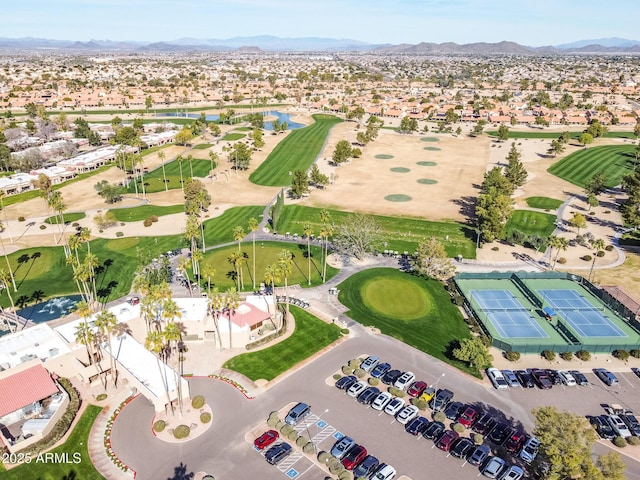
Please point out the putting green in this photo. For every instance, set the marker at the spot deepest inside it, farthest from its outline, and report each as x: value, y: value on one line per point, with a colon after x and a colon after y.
x: 120, y: 244
x: 432, y: 149
x: 396, y: 298
x: 430, y: 139
x: 398, y: 197
x: 384, y: 156
x: 427, y: 181
x: 400, y: 169
x: 427, y: 164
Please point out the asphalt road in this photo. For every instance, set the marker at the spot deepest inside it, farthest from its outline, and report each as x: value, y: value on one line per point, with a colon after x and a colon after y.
x: 223, y: 451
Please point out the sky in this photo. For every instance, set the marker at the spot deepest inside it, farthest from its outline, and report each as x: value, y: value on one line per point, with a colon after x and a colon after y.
x: 528, y: 22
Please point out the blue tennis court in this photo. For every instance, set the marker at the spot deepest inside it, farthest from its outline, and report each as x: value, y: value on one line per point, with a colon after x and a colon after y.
x: 507, y: 315
x: 585, y: 319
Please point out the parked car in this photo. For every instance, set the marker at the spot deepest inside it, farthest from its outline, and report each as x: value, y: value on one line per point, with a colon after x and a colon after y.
x: 529, y: 449
x: 541, y: 378
x: 515, y: 441
x: 277, y: 453
x: 525, y: 378
x: 404, y: 380
x: 632, y: 422
x: 579, y: 377
x: 381, y: 401
x: 497, y: 379
x: 366, y: 467
x: 485, y: 424
x: 636, y: 371
x: 380, y: 369
x: 357, y: 388
x: 499, y: 433
x: 478, y: 455
x: 407, y: 414
x: 368, y: 395
x: 603, y: 427
x: 441, y: 399
x: 468, y: 417
x: 446, y: 440
x: 390, y: 377
x: 354, y: 456
x: 384, y: 472
x: 492, y: 467
x: 434, y: 430
x: 606, y: 376
x: 369, y: 363
x: 554, y: 376
x: 342, y: 446
x: 461, y: 447
x: 514, y: 472
x: 416, y: 388
x: 417, y: 426
x: 510, y: 378
x: 266, y: 439
x: 619, y: 427
x: 346, y: 382
x: 566, y: 378
x: 428, y: 394
x: 394, y: 406
x: 452, y: 412
x: 299, y: 412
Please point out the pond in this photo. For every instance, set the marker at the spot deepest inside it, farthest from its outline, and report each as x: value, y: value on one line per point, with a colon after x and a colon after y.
x: 282, y: 117
x: 51, y: 309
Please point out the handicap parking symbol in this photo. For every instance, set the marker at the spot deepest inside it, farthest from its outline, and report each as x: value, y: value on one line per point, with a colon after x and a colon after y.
x: 292, y: 473
x: 321, y: 423
x: 338, y: 435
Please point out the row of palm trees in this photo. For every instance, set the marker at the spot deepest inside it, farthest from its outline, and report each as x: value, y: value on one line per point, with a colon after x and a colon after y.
x: 562, y: 244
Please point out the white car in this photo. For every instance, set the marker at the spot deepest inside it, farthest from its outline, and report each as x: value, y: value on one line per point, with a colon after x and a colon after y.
x: 381, y: 401
x: 404, y: 380
x: 385, y: 472
x: 497, y: 379
x: 619, y: 426
x: 369, y: 363
x: 407, y: 414
x: 394, y: 406
x: 356, y: 389
x: 567, y: 378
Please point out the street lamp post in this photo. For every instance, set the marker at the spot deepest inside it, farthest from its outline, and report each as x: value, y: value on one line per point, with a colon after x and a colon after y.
x: 435, y: 393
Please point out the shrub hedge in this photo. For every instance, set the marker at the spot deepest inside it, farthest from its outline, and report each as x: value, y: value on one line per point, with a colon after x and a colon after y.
x: 159, y: 426
x: 181, y: 431
x: 205, y: 417
x: 197, y: 401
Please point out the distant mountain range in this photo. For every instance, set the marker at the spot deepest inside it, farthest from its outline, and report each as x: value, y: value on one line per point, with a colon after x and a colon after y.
x: 260, y: 43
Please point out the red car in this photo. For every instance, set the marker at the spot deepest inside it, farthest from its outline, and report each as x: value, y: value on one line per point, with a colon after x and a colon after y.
x: 514, y: 442
x: 354, y: 456
x: 266, y: 439
x: 468, y: 417
x: 416, y: 389
x: 446, y: 441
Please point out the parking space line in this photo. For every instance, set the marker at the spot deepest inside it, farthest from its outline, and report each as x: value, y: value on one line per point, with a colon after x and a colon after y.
x: 302, y: 473
x: 628, y: 381
x: 289, y: 462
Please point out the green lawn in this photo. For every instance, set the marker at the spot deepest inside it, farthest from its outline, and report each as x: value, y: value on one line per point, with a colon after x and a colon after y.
x: 230, y: 137
x: 296, y: 152
x: 400, y: 233
x: 543, y: 203
x: 137, y: 214
x: 68, y: 218
x: 266, y: 253
x: 614, y: 161
x: 310, y: 336
x: 573, y: 135
x: 43, y: 270
x: 220, y: 229
x: 154, y: 180
x: 530, y: 222
x: 203, y: 146
x: 41, y: 469
x: 429, y: 322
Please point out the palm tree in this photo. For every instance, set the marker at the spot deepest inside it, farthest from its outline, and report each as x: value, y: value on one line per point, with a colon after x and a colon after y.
x: 308, y: 230
x: 6, y: 258
x: 190, y: 158
x: 557, y: 243
x: 326, y: 232
x: 162, y: 156
x: 5, y: 277
x: 84, y: 332
x: 253, y: 227
x: 238, y: 235
x: 236, y: 260
x: 173, y: 336
x: 285, y: 264
x: 179, y: 160
x: 271, y: 276
x: 74, y: 243
x: 107, y: 325
x: 85, y: 236
x: 231, y: 302
x: 597, y: 245
x: 216, y: 304
x: 214, y: 159
x: 155, y: 343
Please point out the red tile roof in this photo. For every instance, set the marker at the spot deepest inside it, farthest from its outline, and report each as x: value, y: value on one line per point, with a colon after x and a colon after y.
x: 247, y: 315
x: 24, y: 388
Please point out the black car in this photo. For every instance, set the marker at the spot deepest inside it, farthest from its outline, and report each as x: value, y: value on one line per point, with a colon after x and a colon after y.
x: 553, y: 376
x: 345, y: 383
x: 636, y: 371
x: 478, y: 455
x: 433, y: 430
x: 485, y: 424
x: 366, y: 467
x: 603, y: 427
x: 453, y: 410
x: 525, y: 378
x: 632, y: 422
x: 541, y: 378
x: 391, y: 376
x: 461, y: 448
x: 579, y: 377
x: 500, y: 433
x: 441, y: 399
x: 379, y: 370
x: 416, y: 426
x: 368, y: 395
x: 277, y: 453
